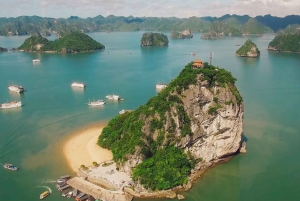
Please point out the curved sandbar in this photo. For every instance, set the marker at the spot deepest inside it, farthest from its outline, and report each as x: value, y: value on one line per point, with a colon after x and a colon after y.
x: 82, y: 149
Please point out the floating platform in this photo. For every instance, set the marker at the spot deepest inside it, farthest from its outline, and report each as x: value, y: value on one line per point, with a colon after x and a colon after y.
x: 98, y: 192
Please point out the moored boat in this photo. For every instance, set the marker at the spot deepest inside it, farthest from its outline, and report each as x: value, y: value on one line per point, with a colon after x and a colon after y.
x: 36, y: 60
x: 10, y: 166
x: 96, y: 103
x: 78, y: 84
x: 112, y: 97
x: 193, y: 53
x: 16, y: 88
x: 12, y: 104
x: 45, y: 194
x: 160, y: 86
x: 124, y: 111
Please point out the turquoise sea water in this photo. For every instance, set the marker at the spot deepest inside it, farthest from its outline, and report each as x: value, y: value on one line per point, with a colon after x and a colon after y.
x: 31, y: 137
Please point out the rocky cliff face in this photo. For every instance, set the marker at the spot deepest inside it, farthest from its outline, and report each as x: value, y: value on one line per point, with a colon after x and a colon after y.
x: 215, y: 134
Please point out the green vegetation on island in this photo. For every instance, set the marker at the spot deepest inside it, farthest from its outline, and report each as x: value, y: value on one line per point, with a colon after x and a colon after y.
x: 73, y: 42
x: 285, y: 43
x: 151, y: 132
x: 249, y: 49
x: 233, y: 25
x: 290, y: 29
x: 181, y: 35
x: 154, y: 39
x: 3, y: 49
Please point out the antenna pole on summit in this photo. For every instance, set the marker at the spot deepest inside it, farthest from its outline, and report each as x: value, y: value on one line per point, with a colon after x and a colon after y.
x: 210, y: 57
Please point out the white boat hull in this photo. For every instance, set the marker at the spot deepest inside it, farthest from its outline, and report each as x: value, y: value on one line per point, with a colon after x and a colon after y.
x: 16, y: 88
x: 160, y: 86
x: 112, y: 97
x: 78, y: 84
x: 14, y: 104
x: 96, y: 103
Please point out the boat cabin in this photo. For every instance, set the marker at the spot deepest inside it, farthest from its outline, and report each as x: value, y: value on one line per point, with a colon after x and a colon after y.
x: 65, y: 177
x: 197, y: 64
x: 61, y: 188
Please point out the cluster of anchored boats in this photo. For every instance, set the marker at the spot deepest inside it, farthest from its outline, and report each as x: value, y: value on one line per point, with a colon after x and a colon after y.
x: 69, y: 192
x: 97, y: 102
x: 20, y: 89
x: 13, y: 104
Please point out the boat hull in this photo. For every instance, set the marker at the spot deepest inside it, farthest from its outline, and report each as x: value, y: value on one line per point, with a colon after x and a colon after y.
x: 16, y: 88
x: 13, y: 104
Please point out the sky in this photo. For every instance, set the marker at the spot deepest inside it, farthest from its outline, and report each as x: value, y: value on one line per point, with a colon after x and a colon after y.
x: 147, y: 8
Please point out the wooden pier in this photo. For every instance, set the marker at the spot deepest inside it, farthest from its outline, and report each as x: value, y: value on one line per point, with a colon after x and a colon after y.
x: 98, y: 192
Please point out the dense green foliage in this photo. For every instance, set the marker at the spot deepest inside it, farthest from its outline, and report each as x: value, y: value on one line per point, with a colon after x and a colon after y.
x: 244, y: 49
x: 254, y: 27
x: 30, y: 44
x: 73, y: 42
x: 144, y: 130
x: 286, y: 42
x: 3, y: 49
x: 233, y: 24
x: 172, y: 168
x: 290, y: 29
x: 154, y: 39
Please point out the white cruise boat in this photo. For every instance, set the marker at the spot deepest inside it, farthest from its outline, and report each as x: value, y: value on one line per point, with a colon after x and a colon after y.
x: 11, y: 105
x: 112, y: 97
x: 96, y: 103
x: 160, y: 86
x: 36, y: 60
x: 78, y: 84
x: 16, y: 88
x: 123, y: 111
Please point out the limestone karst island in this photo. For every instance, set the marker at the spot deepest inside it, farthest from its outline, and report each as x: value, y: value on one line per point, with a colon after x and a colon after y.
x: 182, y: 35
x: 160, y: 148
x: 70, y: 43
x: 249, y: 49
x: 285, y: 43
x: 154, y: 39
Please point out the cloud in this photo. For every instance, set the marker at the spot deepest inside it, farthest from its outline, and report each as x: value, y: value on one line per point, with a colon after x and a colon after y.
x: 155, y: 8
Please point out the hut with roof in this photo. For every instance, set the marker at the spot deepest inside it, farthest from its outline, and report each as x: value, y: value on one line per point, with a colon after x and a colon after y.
x: 198, y: 64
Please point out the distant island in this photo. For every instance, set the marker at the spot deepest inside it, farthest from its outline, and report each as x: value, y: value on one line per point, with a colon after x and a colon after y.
x: 3, y: 49
x: 249, y: 49
x: 154, y: 39
x: 70, y: 43
x: 211, y: 35
x: 285, y: 43
x: 182, y: 35
x: 186, y: 128
x: 231, y: 25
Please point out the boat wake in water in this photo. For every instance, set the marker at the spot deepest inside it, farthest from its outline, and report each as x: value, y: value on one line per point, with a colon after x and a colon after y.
x: 48, y: 181
x: 49, y: 189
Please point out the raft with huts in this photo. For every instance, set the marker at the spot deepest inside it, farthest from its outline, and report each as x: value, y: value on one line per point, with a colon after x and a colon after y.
x: 83, y: 190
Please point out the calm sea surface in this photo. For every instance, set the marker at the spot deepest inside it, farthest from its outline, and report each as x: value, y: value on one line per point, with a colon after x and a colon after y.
x: 31, y: 137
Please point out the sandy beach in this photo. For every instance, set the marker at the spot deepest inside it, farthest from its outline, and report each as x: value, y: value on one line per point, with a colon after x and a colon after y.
x: 81, y: 148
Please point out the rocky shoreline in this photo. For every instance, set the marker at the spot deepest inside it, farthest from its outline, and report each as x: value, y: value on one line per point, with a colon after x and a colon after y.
x: 196, y: 174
